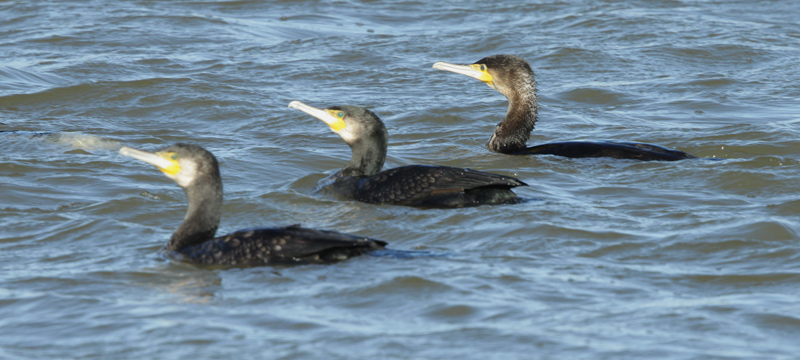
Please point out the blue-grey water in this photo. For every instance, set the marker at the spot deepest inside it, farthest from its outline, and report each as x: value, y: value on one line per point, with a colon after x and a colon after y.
x: 617, y: 258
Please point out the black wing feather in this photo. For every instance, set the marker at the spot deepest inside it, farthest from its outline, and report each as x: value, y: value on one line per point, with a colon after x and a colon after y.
x: 286, y: 245
x: 618, y: 150
x: 407, y: 184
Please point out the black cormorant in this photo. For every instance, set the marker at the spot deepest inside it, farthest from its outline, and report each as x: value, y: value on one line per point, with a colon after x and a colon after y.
x: 197, y: 172
x: 412, y: 185
x: 512, y: 76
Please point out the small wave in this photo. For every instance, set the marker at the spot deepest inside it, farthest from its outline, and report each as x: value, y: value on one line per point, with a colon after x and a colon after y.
x: 597, y: 96
x: 96, y: 90
x: 18, y: 80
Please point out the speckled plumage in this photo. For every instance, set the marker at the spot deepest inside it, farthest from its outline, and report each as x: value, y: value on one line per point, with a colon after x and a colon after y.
x: 514, y: 78
x: 279, y: 246
x: 430, y: 186
x: 194, y: 239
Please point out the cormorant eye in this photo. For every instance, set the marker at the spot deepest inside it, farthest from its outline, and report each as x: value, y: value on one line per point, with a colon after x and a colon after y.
x: 483, y: 67
x: 174, y: 156
x: 340, y: 114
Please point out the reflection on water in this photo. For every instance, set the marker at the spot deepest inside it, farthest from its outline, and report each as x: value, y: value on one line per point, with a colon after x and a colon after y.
x: 618, y: 259
x: 187, y: 285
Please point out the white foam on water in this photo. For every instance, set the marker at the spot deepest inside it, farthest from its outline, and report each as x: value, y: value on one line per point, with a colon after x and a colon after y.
x: 82, y: 141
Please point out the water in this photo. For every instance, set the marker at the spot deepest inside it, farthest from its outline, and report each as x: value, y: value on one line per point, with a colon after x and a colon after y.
x: 618, y: 259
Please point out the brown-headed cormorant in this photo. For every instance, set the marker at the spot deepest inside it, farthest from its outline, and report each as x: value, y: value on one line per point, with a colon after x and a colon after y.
x: 411, y: 185
x: 197, y: 172
x: 513, y: 77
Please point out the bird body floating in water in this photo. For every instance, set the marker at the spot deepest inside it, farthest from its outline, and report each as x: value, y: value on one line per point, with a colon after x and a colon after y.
x: 196, y: 171
x: 412, y: 185
x: 513, y: 77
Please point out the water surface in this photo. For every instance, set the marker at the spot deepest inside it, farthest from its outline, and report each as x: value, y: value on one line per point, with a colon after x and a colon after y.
x: 617, y: 258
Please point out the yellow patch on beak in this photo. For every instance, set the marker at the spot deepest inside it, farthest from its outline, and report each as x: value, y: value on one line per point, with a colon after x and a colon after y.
x: 334, y: 118
x: 477, y: 71
x: 174, y: 167
x: 337, y: 124
x: 484, y: 76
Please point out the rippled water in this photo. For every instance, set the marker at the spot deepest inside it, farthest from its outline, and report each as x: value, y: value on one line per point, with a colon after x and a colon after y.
x: 618, y: 259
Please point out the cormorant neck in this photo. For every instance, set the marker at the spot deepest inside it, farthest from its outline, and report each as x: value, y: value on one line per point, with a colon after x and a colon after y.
x: 202, y: 215
x: 369, y: 154
x: 512, y: 134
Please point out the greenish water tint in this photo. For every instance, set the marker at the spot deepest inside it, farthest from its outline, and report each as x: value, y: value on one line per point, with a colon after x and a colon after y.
x: 618, y: 259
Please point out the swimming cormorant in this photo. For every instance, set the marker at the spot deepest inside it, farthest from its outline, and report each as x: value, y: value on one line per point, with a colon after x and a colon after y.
x: 412, y: 185
x: 512, y: 76
x: 196, y: 171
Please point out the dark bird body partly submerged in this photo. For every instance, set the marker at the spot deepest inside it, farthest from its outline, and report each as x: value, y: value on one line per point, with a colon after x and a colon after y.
x: 412, y: 185
x: 197, y: 172
x: 513, y: 77
x: 279, y: 246
x: 426, y: 186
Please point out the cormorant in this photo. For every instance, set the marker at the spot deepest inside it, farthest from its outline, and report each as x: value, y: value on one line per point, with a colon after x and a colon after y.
x: 196, y: 171
x: 512, y: 76
x: 411, y: 185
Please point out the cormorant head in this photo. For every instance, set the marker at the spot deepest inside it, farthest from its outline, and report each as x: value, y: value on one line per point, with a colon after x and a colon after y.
x: 183, y: 163
x: 508, y: 74
x: 352, y: 123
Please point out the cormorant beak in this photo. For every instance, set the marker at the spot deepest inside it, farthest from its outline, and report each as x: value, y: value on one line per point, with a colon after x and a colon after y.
x: 478, y: 71
x: 334, y: 118
x: 163, y: 161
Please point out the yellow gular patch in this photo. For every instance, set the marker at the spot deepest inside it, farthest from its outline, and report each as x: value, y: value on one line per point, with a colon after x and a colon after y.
x: 485, y: 76
x: 338, y: 123
x: 173, y: 167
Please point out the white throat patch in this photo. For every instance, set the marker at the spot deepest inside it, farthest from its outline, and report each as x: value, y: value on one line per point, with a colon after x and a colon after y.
x: 188, y: 173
